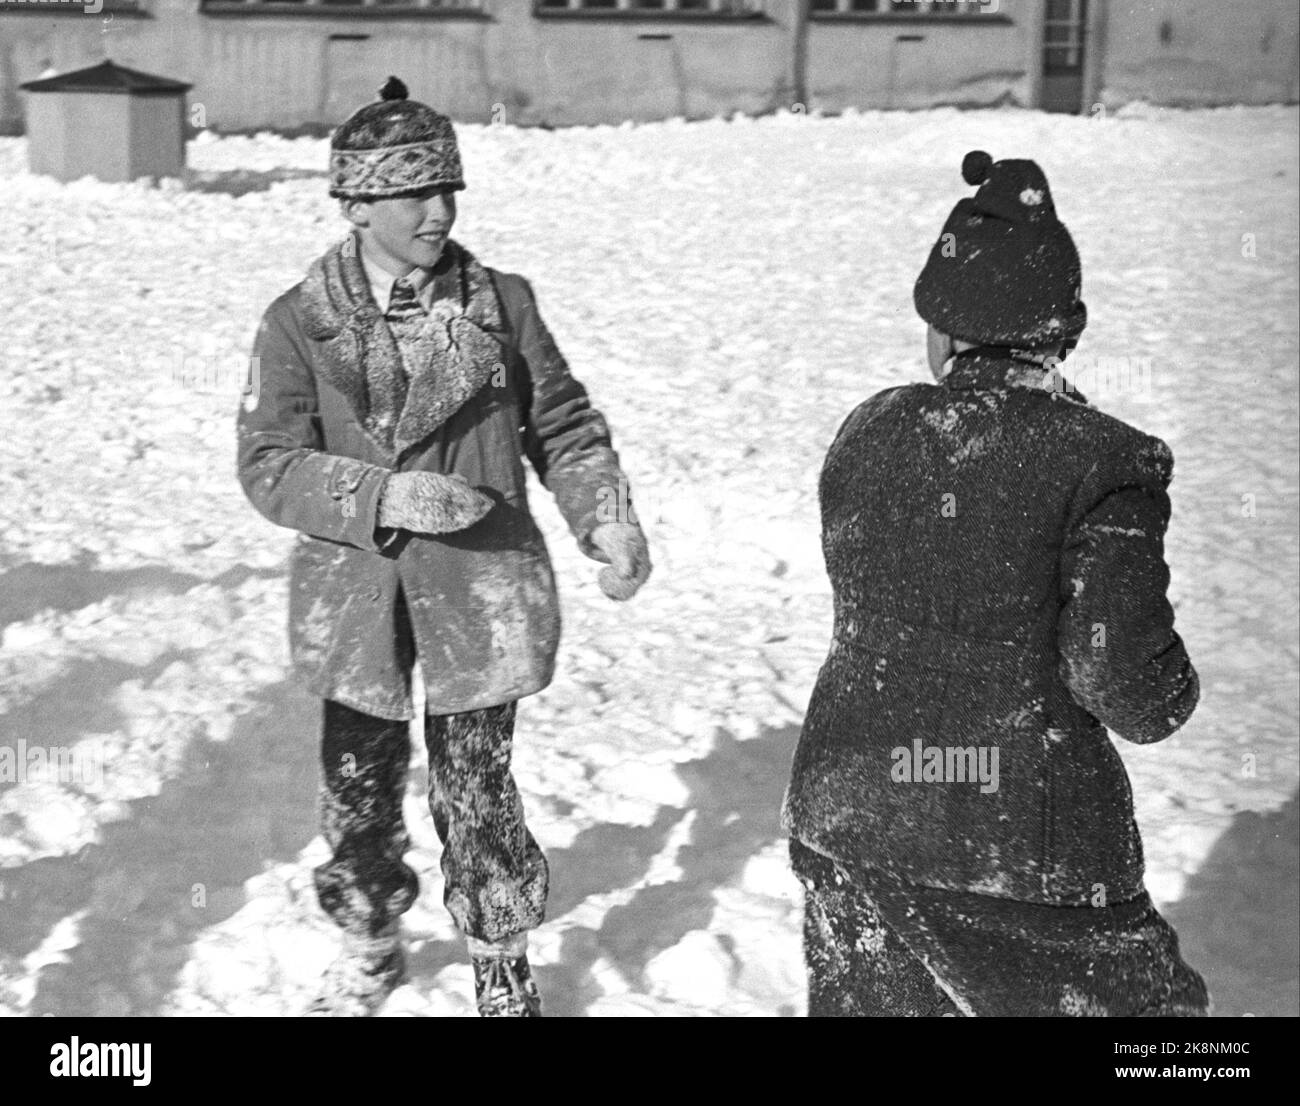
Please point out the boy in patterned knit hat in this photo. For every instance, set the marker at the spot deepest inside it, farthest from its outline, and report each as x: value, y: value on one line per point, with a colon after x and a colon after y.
x: 402, y: 382
x: 959, y: 817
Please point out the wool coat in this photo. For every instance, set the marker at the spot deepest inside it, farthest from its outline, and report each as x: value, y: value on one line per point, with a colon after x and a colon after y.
x: 334, y: 410
x: 995, y: 546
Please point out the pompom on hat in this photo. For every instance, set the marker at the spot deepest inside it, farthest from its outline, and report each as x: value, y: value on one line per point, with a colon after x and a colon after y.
x: 393, y: 147
x: 1005, y: 271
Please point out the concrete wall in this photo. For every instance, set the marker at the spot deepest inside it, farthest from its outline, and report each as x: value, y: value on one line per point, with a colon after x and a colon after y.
x: 572, y: 71
x: 878, y: 63
x: 1200, y: 51
x: 286, y: 72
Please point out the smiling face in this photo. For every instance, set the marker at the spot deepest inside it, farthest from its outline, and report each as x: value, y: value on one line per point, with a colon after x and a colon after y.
x: 404, y: 233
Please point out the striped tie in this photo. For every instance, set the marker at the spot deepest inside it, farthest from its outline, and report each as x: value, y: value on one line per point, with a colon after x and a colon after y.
x: 403, y: 304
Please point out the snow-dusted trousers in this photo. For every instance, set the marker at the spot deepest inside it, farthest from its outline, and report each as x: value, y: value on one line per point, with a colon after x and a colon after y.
x: 857, y: 966
x: 495, y: 874
x: 877, y: 947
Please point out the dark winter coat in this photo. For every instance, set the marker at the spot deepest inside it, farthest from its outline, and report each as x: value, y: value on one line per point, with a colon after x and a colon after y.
x: 996, y: 553
x: 333, y: 416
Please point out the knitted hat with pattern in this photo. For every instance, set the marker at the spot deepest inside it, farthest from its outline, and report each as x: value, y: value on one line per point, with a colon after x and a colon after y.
x: 393, y: 147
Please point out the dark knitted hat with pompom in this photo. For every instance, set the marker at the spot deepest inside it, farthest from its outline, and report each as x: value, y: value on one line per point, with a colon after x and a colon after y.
x: 393, y: 147
x: 1005, y: 270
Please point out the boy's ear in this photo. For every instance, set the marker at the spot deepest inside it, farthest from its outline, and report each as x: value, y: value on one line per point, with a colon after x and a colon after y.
x: 357, y: 212
x: 939, y: 348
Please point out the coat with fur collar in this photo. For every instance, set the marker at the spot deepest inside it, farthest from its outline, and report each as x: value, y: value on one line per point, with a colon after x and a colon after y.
x: 331, y: 414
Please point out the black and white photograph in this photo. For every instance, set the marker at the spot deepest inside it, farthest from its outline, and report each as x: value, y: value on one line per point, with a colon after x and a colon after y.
x: 650, y: 508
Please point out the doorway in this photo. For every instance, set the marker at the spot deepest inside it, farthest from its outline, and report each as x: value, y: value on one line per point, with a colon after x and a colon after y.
x: 1065, y: 33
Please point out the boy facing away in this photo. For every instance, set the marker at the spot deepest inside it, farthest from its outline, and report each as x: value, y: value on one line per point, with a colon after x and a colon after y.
x: 959, y: 818
x: 402, y: 383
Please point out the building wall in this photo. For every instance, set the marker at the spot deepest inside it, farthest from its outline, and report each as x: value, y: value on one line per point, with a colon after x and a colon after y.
x: 287, y: 72
x: 571, y: 71
x: 879, y: 64
x: 293, y: 71
x: 1200, y: 51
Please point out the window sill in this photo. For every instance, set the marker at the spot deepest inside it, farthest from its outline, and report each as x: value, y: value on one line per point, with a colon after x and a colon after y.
x: 618, y: 16
x: 233, y: 9
x: 903, y: 19
x: 118, y: 9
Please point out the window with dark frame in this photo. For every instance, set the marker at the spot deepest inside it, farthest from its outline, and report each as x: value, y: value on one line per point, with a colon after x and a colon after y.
x: 1063, y: 34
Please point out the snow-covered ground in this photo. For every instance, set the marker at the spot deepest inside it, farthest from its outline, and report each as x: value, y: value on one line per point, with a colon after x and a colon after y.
x: 728, y: 291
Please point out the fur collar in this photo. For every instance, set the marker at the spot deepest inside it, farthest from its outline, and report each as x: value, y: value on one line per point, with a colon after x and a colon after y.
x: 459, y: 347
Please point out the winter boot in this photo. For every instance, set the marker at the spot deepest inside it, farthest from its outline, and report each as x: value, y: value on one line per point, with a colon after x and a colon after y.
x: 366, y: 972
x: 503, y: 982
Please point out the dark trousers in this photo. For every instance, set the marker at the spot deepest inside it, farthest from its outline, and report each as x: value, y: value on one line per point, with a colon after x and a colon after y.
x: 495, y: 874
x: 858, y: 967
x: 878, y: 947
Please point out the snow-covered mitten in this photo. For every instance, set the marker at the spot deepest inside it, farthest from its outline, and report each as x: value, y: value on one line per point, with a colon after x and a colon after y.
x: 430, y: 503
x: 623, y: 547
x: 358, y: 982
x: 503, y: 982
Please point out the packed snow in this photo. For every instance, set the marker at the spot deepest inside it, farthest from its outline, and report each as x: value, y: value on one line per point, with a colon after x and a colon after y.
x: 728, y: 291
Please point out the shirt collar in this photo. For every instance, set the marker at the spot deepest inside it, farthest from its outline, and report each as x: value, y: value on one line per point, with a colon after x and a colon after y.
x: 381, y: 283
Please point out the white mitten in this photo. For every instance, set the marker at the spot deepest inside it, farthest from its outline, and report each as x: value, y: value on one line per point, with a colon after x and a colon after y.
x: 430, y: 503
x: 623, y: 546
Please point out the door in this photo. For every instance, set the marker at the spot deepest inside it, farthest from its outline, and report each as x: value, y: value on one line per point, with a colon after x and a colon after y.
x: 1064, y: 43
x: 910, y: 82
x: 351, y: 62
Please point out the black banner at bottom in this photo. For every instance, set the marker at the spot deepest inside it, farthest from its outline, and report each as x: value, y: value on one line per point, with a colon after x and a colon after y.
x: 395, y: 1057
